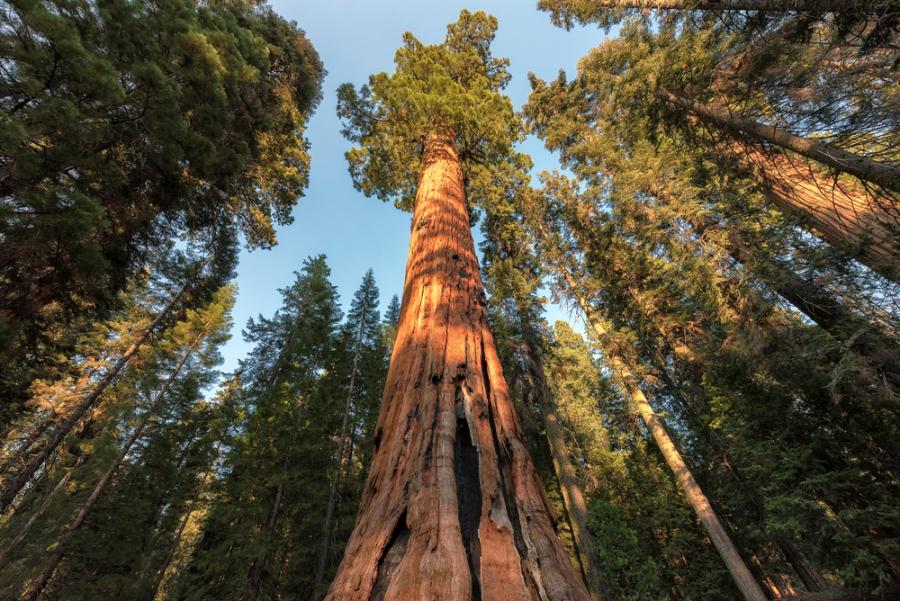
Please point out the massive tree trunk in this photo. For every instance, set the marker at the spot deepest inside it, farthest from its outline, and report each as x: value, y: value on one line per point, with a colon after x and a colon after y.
x: 569, y: 483
x: 12, y: 488
x: 453, y: 507
x: 883, y: 174
x: 624, y: 377
x: 838, y: 211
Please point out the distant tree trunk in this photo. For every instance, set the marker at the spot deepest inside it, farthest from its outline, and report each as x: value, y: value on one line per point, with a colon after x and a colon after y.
x: 877, y: 349
x: 12, y: 488
x: 60, y: 484
x: 37, y: 586
x: 17, y: 457
x: 749, y: 588
x: 817, y: 300
x: 811, y: 578
x: 883, y: 174
x: 176, y: 540
x: 839, y: 212
x: 255, y: 574
x: 453, y: 507
x: 570, y: 486
x: 339, y: 458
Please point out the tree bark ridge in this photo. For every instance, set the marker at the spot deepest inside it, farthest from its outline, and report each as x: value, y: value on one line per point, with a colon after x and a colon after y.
x: 414, y: 538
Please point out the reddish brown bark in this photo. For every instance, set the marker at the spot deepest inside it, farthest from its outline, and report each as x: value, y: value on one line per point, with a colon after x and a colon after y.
x: 838, y: 211
x: 453, y: 507
x: 886, y: 175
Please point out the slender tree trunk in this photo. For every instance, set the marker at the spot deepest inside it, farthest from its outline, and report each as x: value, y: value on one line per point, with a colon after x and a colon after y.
x: 883, y: 174
x: 17, y: 457
x: 570, y: 485
x: 743, y: 579
x: 34, y: 517
x: 37, y: 586
x: 12, y: 488
x: 176, y: 541
x: 453, y: 507
x: 339, y: 458
x: 813, y: 300
x: 170, y: 554
x: 254, y: 580
x: 811, y: 578
x: 880, y: 351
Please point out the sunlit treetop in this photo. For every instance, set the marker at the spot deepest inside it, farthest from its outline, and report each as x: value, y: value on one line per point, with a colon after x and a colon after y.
x: 453, y: 89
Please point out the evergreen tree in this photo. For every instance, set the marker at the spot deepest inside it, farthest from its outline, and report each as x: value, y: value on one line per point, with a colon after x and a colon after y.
x: 391, y: 321
x: 95, y: 368
x: 125, y: 125
x: 305, y: 399
x: 363, y: 331
x: 81, y: 532
x: 757, y: 118
x: 641, y: 526
x: 453, y: 506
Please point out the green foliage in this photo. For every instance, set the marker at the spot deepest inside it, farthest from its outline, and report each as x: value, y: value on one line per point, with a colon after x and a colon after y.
x: 391, y: 321
x: 265, y: 520
x: 125, y: 539
x: 450, y: 89
x: 646, y: 535
x: 125, y: 124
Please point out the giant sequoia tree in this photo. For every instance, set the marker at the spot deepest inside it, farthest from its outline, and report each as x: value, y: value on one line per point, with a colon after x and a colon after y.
x: 789, y: 101
x: 453, y: 507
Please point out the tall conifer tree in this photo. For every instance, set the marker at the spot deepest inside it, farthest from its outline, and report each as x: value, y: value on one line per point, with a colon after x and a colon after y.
x: 453, y: 506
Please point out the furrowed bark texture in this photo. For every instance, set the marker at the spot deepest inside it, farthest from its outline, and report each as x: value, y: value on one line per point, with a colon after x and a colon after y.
x: 885, y: 175
x: 838, y: 211
x: 747, y: 585
x: 453, y: 508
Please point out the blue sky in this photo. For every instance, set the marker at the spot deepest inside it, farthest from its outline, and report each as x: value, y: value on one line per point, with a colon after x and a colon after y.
x: 356, y: 38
